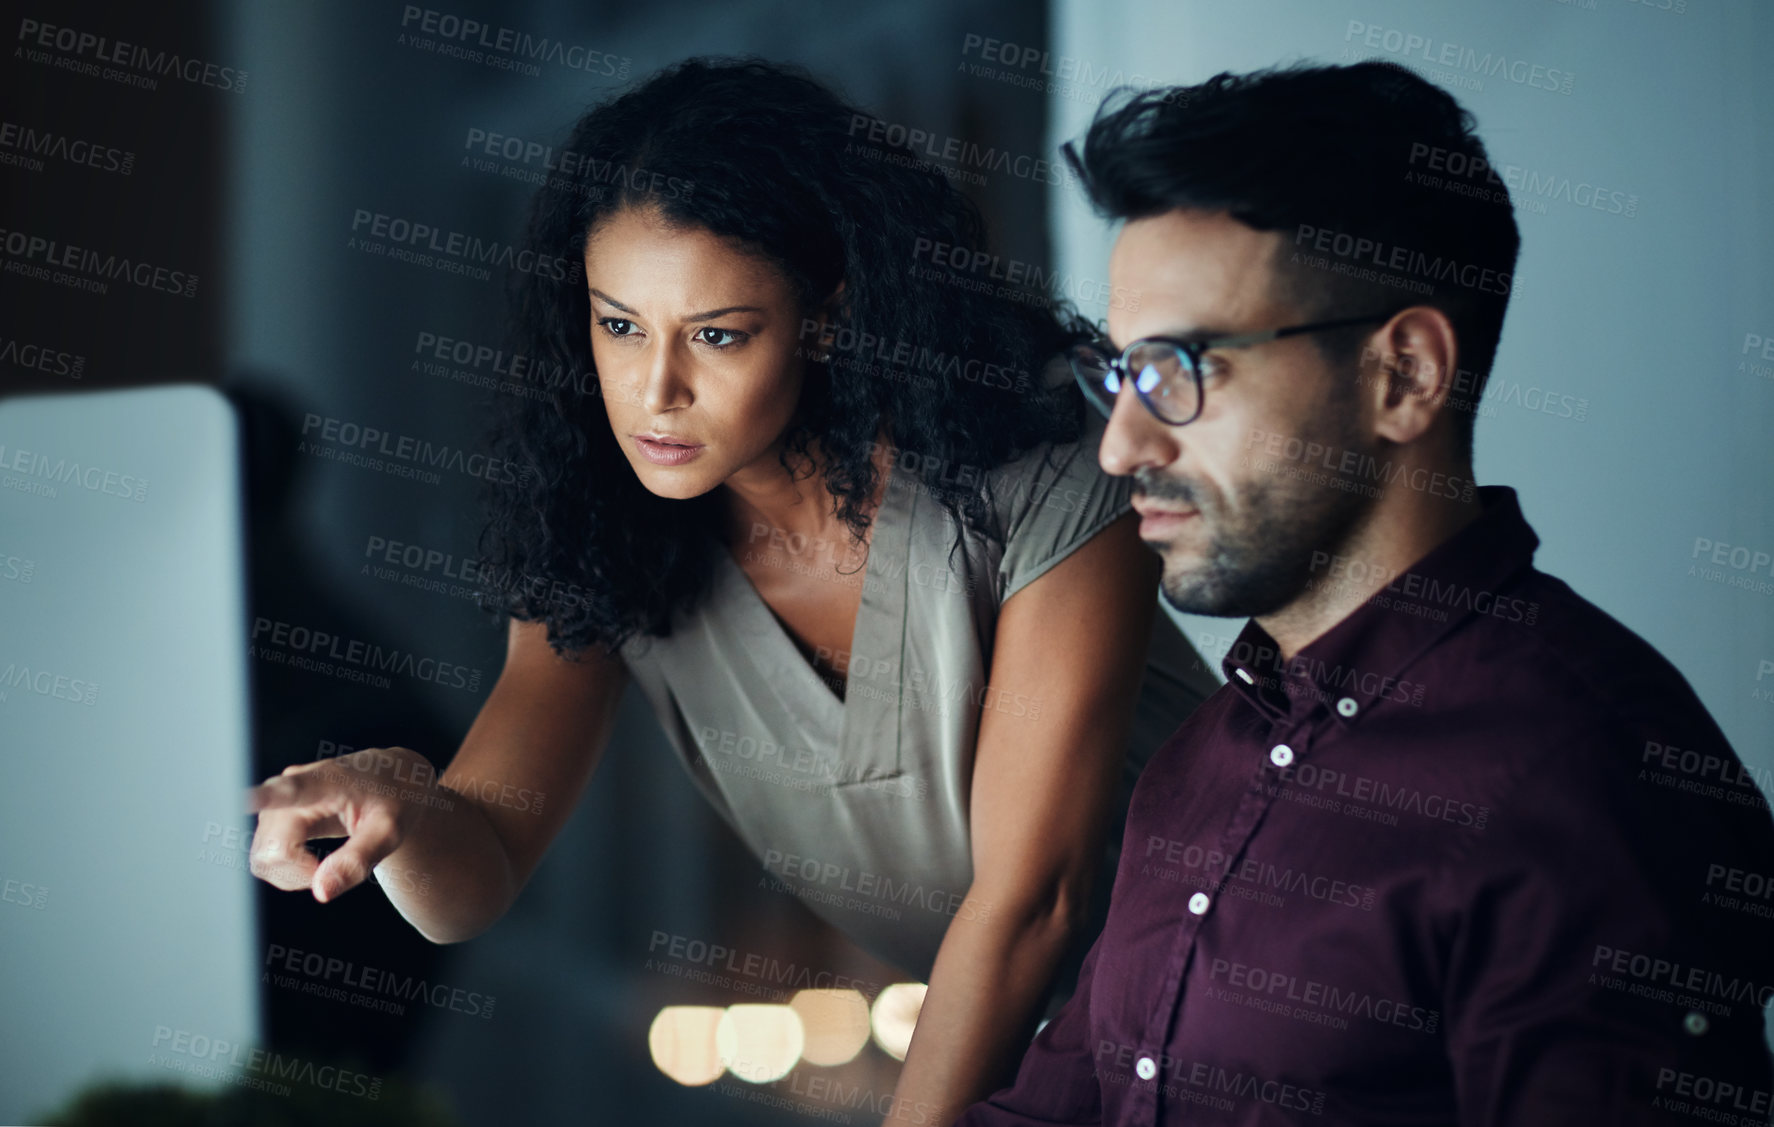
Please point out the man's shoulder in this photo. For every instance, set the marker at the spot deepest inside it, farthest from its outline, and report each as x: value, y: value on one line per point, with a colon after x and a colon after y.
x: 1581, y: 721
x: 1558, y: 665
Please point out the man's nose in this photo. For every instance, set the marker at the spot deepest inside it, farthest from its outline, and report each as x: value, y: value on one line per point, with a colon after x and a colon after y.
x: 1135, y: 439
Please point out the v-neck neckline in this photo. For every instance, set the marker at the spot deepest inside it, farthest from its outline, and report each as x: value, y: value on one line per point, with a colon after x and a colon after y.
x: 879, y: 596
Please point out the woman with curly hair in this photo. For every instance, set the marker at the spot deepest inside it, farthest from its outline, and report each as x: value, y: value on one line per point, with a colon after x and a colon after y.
x: 834, y: 506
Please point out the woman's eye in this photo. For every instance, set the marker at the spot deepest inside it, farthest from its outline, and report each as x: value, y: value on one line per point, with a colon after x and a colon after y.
x: 721, y: 338
x: 616, y: 326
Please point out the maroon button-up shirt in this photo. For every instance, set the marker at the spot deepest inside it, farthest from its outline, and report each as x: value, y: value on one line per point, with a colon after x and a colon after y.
x: 1476, y: 855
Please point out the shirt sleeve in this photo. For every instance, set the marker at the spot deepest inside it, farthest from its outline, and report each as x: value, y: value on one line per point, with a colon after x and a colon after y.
x: 1057, y: 1082
x: 1589, y: 978
x: 1055, y: 499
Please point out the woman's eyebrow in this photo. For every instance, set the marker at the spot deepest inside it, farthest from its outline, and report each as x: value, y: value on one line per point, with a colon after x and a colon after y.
x: 723, y: 311
x: 708, y: 316
x: 610, y: 301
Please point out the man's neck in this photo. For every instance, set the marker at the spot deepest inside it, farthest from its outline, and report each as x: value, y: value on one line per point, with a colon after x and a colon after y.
x: 1406, y: 525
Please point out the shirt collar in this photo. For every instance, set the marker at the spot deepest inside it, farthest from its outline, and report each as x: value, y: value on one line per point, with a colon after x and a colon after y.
x: 1359, y: 661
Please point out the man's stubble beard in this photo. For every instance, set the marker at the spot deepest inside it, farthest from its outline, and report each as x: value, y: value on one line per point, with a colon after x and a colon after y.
x: 1260, y: 546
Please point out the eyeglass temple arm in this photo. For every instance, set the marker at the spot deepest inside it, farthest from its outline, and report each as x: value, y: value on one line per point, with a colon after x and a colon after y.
x: 1339, y: 323
x: 1245, y: 339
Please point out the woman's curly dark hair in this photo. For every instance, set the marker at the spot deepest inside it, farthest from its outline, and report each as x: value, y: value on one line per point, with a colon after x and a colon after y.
x: 769, y: 159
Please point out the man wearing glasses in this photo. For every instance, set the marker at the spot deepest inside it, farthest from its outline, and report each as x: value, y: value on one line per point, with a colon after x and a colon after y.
x: 1451, y: 845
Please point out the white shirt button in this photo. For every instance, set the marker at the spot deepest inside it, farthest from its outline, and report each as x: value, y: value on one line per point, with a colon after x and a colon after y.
x: 1281, y: 755
x: 1347, y: 706
x: 1198, y: 903
x: 1145, y: 1068
x: 1246, y: 677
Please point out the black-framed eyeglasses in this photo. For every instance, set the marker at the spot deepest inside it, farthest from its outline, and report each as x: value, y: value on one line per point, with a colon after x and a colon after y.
x: 1168, y: 379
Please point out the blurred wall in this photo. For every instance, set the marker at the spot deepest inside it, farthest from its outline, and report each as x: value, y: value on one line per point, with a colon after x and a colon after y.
x: 1631, y: 402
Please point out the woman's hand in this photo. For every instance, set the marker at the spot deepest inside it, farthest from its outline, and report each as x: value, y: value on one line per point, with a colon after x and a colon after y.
x: 375, y: 798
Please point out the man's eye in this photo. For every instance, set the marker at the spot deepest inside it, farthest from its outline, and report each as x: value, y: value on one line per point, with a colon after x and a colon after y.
x: 616, y: 326
x: 727, y: 337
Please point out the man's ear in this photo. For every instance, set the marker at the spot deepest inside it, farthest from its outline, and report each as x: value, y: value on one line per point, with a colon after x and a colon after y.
x: 1417, y: 353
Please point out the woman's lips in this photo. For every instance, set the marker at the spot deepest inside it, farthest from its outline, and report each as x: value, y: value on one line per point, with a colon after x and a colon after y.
x: 666, y: 453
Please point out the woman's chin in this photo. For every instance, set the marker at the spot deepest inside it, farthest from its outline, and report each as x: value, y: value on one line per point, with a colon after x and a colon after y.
x: 673, y: 484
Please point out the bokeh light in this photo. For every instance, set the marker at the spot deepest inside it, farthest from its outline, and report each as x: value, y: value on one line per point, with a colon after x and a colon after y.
x: 759, y: 1043
x: 895, y: 1015
x: 836, y: 1023
x: 682, y: 1040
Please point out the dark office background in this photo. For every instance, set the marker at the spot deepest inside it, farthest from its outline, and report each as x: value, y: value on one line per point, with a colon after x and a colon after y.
x: 1656, y: 319
x: 254, y: 191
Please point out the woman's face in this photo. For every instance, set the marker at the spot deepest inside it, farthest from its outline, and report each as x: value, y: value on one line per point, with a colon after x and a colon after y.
x: 696, y: 351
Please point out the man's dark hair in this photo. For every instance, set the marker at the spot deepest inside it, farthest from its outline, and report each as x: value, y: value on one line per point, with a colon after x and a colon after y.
x: 1383, y: 191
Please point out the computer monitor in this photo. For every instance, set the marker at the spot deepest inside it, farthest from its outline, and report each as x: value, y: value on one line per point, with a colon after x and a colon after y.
x: 127, y: 928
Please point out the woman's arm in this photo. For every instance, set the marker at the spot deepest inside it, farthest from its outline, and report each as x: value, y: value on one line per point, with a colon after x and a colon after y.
x: 451, y: 853
x: 1075, y: 641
